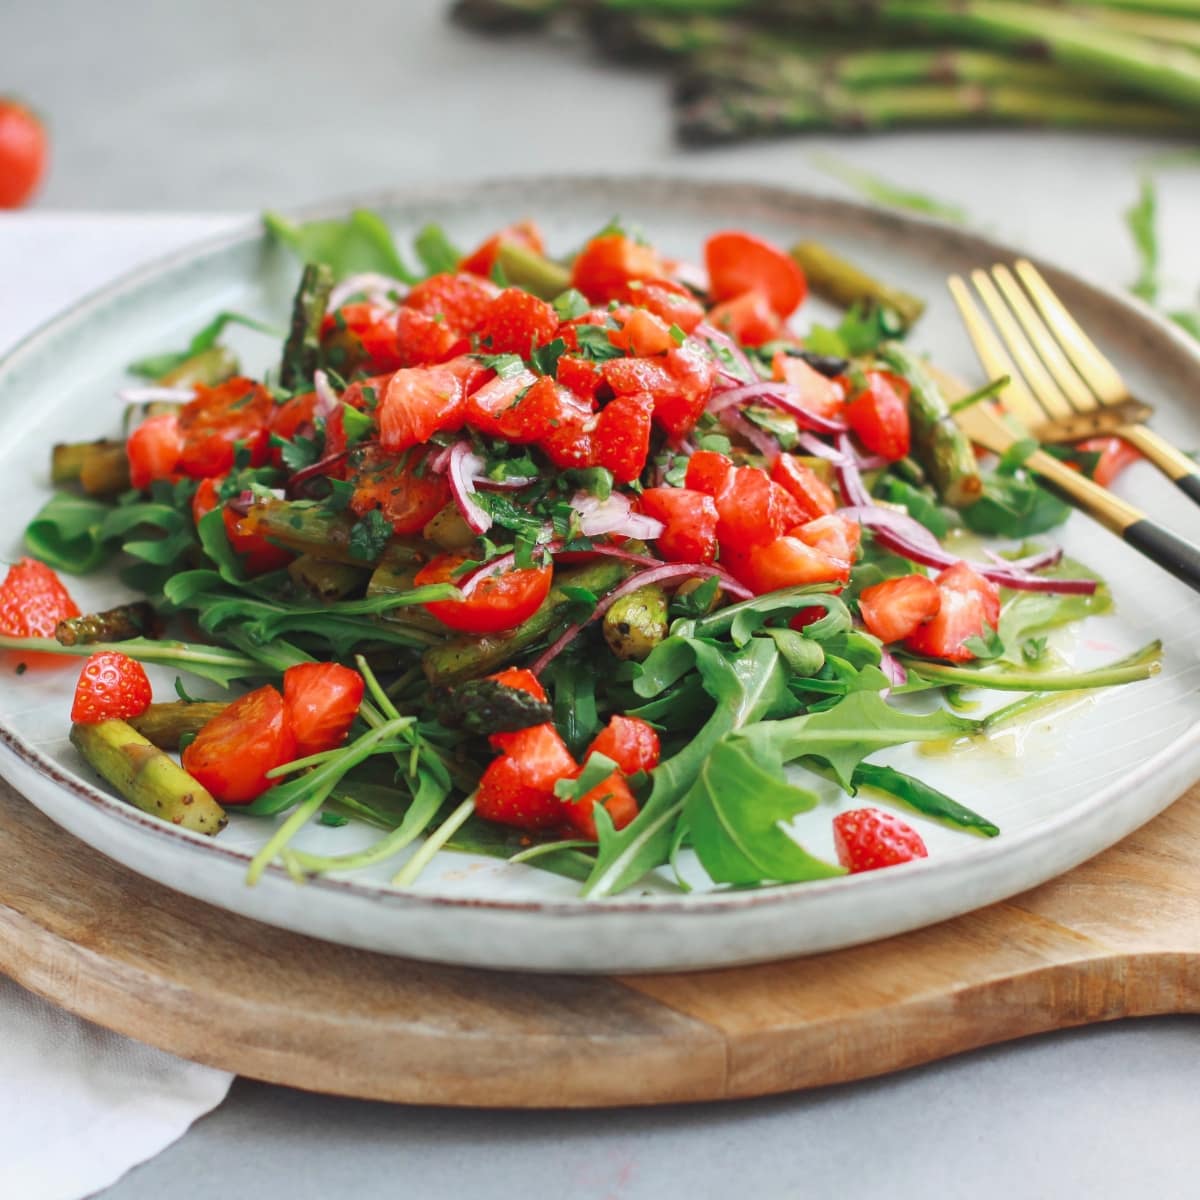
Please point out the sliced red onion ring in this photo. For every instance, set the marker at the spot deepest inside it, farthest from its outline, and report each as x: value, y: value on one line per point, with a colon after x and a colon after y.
x: 744, y: 428
x: 614, y: 515
x: 155, y: 392
x: 642, y: 579
x: 853, y: 490
x: 322, y: 467
x: 461, y: 469
x: 327, y: 399
x: 813, y: 446
x: 893, y: 669
x: 777, y: 395
x: 484, y: 483
x: 374, y: 286
x: 711, y: 334
x: 1049, y: 557
x: 910, y: 538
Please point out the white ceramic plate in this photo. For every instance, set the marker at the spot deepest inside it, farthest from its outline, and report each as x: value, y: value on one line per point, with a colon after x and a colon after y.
x: 1061, y: 791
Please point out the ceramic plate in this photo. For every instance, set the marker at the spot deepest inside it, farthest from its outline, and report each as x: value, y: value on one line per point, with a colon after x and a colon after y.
x: 1061, y: 790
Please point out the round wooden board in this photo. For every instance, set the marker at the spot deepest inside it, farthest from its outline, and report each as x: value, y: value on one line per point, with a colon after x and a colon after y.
x: 1119, y: 936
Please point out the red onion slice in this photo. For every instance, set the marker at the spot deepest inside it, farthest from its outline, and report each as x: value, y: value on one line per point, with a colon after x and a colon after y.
x: 461, y: 469
x: 744, y: 428
x: 614, y: 515
x: 710, y: 333
x: 642, y: 579
x: 327, y: 399
x: 777, y: 395
x: 911, y: 539
x: 375, y: 287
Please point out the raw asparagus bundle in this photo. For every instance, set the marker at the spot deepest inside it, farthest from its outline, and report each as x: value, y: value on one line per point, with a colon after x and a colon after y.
x: 758, y: 67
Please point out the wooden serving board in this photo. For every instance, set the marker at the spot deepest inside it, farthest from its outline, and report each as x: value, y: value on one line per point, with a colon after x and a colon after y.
x: 1117, y: 937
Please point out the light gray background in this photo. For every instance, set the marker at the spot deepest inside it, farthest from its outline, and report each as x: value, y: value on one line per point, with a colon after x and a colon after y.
x: 224, y: 106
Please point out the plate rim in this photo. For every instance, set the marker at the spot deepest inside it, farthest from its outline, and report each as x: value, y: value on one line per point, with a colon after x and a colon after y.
x: 706, y: 904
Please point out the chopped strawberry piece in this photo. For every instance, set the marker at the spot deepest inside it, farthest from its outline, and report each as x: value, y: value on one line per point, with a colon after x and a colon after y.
x: 970, y: 604
x: 630, y: 742
x: 811, y: 493
x: 607, y: 264
x: 621, y: 439
x: 690, y: 520
x: 153, y: 450
x: 739, y: 262
x: 709, y: 472
x: 524, y: 233
x: 581, y: 375
x: 878, y: 414
x: 516, y: 322
x: 322, y: 701
x: 837, y: 536
x: 409, y: 495
x: 422, y: 339
x: 33, y: 600
x: 419, y: 402
x: 869, y: 838
x: 671, y: 302
x: 518, y: 786
x: 753, y: 510
x: 896, y: 608
x: 748, y: 319
x: 782, y: 563
x: 459, y: 301
x: 822, y: 396
x: 616, y: 798
x: 111, y: 686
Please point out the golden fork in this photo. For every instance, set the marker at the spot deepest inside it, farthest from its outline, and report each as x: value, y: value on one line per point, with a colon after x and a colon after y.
x: 1063, y: 388
x: 983, y: 424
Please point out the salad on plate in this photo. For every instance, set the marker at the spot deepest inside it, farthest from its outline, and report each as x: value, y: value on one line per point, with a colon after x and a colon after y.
x: 607, y: 564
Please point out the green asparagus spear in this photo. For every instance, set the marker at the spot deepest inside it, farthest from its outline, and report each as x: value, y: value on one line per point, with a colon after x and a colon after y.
x: 100, y: 467
x: 166, y: 724
x: 534, y: 272
x: 301, y: 351
x: 209, y: 367
x: 147, y: 777
x: 467, y: 658
x: 839, y: 281
x: 305, y: 528
x: 112, y: 625
x: 637, y: 622
x: 937, y: 442
x: 326, y: 580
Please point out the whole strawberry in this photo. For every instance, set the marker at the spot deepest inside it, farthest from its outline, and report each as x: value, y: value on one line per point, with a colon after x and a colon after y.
x: 869, y: 838
x: 110, y: 685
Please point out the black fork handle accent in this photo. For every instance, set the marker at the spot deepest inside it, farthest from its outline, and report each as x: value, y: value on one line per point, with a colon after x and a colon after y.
x: 1190, y: 485
x: 1173, y: 553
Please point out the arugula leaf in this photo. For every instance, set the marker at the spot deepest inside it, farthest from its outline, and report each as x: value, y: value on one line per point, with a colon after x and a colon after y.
x: 780, y: 425
x: 882, y: 192
x: 922, y: 797
x: 919, y: 503
x: 1023, y: 614
x: 435, y: 250
x: 1014, y: 504
x: 595, y: 771
x: 361, y: 242
x: 746, y: 686
x: 735, y: 812
x: 67, y: 534
x: 864, y: 328
x: 506, y: 366
x: 1141, y: 219
x: 855, y: 727
x: 158, y: 365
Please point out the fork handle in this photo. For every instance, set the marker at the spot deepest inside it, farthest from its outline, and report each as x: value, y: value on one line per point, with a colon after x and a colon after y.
x: 1169, y: 550
x: 1173, y: 553
x: 1177, y: 466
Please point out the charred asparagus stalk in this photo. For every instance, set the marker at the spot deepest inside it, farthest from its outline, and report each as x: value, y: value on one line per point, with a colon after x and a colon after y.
x: 839, y: 281
x: 112, y: 625
x: 147, y: 777
x: 937, y: 442
x: 100, y: 467
x: 534, y: 272
x: 208, y: 367
x: 302, y: 350
x: 462, y: 658
x: 325, y: 580
x: 305, y: 528
x: 167, y: 723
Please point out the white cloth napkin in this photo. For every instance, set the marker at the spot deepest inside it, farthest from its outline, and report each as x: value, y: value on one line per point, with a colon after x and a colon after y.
x: 80, y: 1106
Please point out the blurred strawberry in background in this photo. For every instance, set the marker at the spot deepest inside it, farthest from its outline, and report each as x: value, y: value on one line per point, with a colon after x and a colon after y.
x: 22, y: 153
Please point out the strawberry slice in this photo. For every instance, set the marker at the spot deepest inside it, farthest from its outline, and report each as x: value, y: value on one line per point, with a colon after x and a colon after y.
x: 896, y: 608
x: 869, y: 838
x: 32, y: 602
x: 111, y: 685
x: 970, y: 604
x: 518, y: 787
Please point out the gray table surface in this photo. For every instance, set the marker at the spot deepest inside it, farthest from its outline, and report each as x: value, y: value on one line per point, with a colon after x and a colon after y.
x: 229, y: 107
